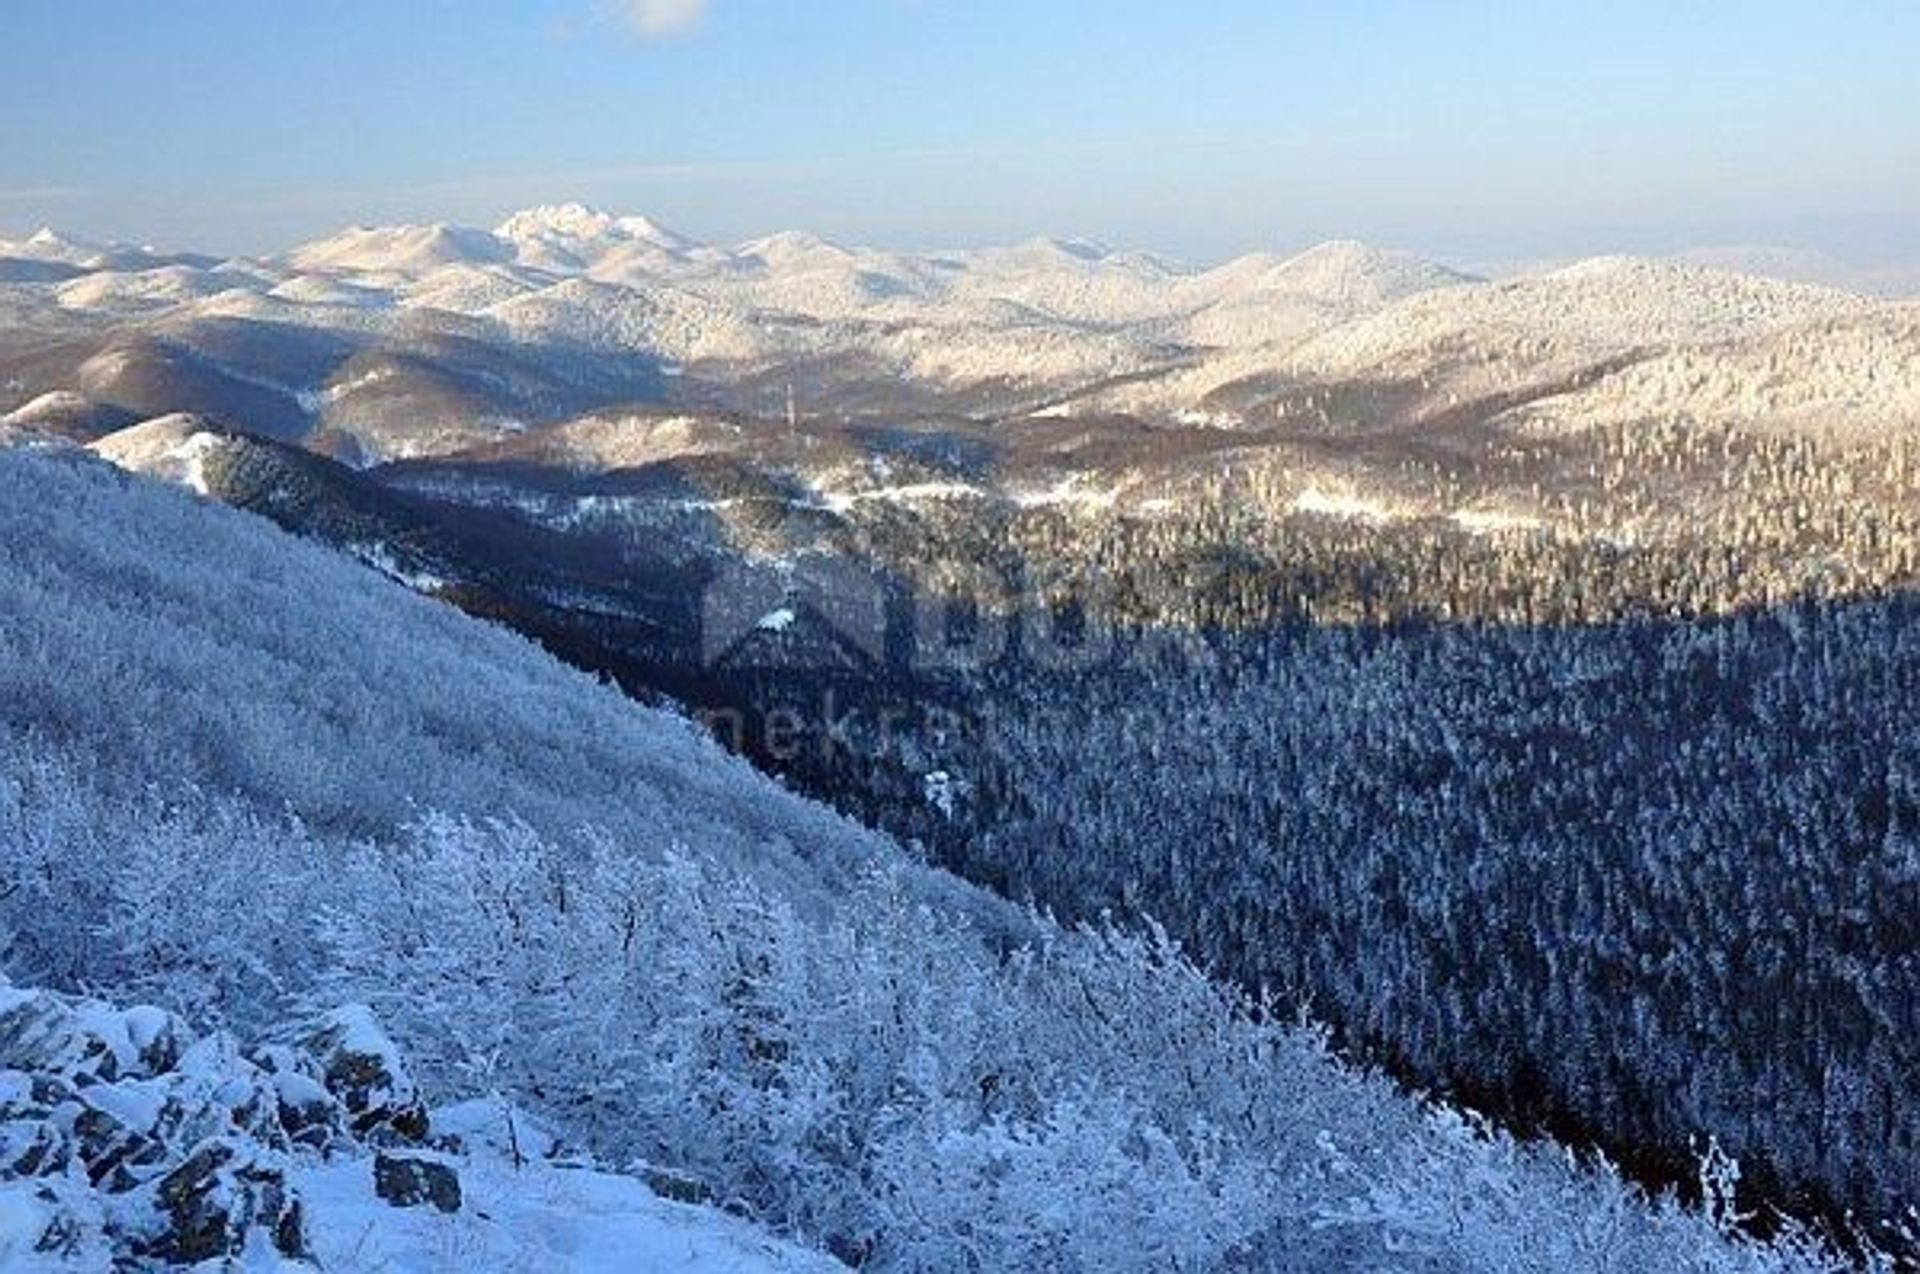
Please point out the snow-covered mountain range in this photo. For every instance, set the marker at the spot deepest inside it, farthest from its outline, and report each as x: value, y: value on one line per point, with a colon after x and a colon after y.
x: 590, y: 427
x: 414, y: 340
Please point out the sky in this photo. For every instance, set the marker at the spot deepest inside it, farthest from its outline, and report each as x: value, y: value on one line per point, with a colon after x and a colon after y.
x: 1198, y: 128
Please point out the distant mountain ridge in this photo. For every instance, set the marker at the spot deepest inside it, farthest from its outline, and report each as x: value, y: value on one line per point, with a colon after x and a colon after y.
x: 398, y: 342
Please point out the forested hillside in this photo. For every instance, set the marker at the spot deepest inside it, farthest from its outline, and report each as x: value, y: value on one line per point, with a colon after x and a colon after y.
x: 245, y: 780
x: 1643, y: 882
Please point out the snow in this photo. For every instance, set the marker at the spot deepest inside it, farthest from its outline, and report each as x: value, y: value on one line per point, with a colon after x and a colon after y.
x: 83, y: 1036
x: 1341, y: 504
x: 1067, y: 491
x: 1493, y: 521
x: 535, y: 1219
x: 942, y: 791
x: 172, y: 447
x: 48, y: 244
x: 1059, y: 318
x: 902, y: 493
x: 494, y: 1125
x: 23, y: 1219
x: 399, y: 250
x: 776, y: 621
x: 574, y: 235
x: 381, y: 558
x: 134, y: 1105
x: 47, y: 406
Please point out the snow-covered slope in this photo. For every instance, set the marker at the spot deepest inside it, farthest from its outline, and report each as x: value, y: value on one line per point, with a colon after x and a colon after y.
x: 570, y: 238
x: 399, y: 250
x: 533, y: 1220
x: 1042, y: 315
x: 1071, y: 327
x: 171, y: 447
x: 241, y: 777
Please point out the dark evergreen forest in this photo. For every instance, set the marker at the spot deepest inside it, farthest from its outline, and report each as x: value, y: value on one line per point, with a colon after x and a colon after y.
x: 1637, y: 885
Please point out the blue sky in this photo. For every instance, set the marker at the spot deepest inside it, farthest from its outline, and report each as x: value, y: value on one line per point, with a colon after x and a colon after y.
x: 1198, y: 128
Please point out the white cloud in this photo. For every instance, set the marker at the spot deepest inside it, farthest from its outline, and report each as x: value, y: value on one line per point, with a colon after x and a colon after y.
x: 663, y: 17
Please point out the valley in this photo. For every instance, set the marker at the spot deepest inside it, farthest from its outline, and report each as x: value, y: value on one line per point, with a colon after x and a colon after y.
x: 1517, y: 676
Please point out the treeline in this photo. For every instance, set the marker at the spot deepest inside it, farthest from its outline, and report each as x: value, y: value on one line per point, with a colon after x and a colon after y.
x: 1661, y: 520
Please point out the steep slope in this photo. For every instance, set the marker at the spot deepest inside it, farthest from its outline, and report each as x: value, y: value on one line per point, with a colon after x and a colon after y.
x: 221, y: 757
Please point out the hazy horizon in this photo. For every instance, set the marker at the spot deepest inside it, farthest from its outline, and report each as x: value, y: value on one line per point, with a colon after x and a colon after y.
x: 1898, y: 262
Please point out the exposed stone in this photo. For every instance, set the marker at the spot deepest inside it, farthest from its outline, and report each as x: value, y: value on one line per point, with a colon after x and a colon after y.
x: 31, y: 1148
x: 363, y: 1070
x: 309, y: 1116
x: 110, y: 1149
x: 677, y: 1187
x: 82, y: 1040
x: 408, y: 1181
x: 153, y: 1151
x: 213, y: 1199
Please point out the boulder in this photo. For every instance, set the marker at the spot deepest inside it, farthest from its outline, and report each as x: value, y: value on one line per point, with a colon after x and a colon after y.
x: 305, y: 1111
x: 210, y: 1203
x: 83, y: 1040
x: 364, y: 1071
x: 408, y: 1181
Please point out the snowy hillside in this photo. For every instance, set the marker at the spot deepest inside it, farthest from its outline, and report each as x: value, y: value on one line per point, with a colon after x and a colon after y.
x: 607, y: 311
x: 249, y: 782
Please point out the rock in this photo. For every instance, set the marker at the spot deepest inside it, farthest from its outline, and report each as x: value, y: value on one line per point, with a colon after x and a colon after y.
x: 84, y: 1041
x: 308, y: 1114
x: 32, y: 1148
x: 363, y: 1070
x: 211, y: 1202
x: 123, y: 1142
x: 677, y: 1187
x: 49, y: 1091
x: 111, y: 1150
x: 407, y: 1181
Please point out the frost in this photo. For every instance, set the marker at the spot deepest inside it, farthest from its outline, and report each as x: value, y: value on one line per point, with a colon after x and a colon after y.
x: 241, y: 778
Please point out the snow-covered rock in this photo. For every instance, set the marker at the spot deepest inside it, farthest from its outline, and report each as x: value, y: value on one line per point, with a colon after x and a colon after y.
x: 124, y: 1141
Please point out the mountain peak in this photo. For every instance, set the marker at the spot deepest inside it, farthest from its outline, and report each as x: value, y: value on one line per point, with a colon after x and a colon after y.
x: 579, y: 223
x: 53, y: 245
x: 1078, y: 249
x: 574, y: 220
x: 791, y: 247
x: 401, y: 249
